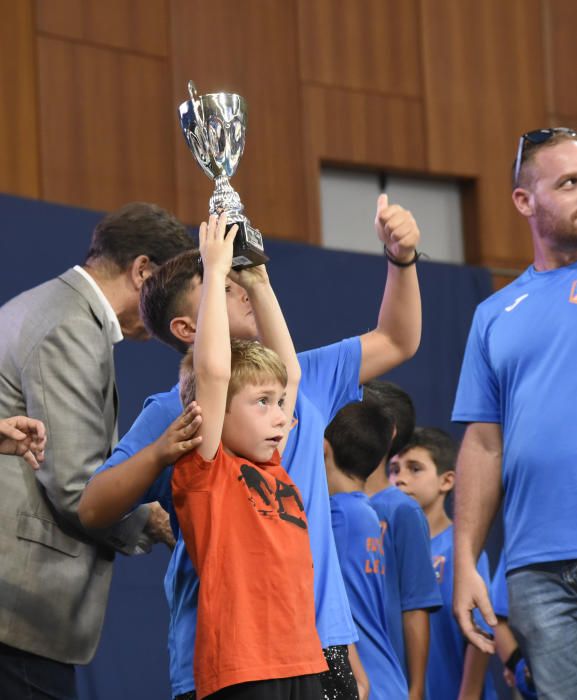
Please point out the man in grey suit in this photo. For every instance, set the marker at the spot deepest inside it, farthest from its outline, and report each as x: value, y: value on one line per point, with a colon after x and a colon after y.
x: 57, y: 366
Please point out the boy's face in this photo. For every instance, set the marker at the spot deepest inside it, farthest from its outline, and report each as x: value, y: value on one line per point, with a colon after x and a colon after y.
x: 240, y: 316
x: 255, y: 422
x: 415, y: 473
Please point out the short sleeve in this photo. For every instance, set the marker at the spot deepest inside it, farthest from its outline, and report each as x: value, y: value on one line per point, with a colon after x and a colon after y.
x: 340, y: 530
x: 477, y: 398
x: 330, y: 375
x: 418, y: 586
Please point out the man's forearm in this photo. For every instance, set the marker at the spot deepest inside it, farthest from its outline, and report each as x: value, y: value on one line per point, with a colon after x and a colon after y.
x: 478, y: 490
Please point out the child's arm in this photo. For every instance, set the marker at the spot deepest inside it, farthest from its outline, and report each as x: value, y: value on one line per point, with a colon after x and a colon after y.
x: 112, y: 493
x: 398, y: 332
x: 474, y: 670
x: 361, y: 678
x: 212, y: 354
x: 273, y: 330
x: 416, y: 634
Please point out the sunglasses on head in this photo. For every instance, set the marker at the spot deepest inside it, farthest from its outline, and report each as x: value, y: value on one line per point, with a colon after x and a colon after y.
x: 536, y: 138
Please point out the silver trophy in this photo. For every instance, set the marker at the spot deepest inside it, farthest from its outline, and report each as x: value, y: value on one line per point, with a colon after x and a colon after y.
x: 214, y: 127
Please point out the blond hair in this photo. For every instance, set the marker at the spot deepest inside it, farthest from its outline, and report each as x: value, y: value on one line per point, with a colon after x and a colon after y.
x: 250, y: 363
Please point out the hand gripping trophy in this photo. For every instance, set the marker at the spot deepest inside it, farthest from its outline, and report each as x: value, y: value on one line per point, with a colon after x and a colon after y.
x: 214, y: 127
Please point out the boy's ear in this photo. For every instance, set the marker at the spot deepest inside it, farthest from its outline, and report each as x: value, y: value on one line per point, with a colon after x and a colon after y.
x: 183, y: 328
x: 447, y: 481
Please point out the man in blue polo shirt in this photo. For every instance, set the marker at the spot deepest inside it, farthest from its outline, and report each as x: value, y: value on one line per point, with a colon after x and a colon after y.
x: 517, y: 392
x: 330, y: 379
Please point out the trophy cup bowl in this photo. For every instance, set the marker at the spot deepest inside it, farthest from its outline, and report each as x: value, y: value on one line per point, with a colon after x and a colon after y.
x: 214, y: 127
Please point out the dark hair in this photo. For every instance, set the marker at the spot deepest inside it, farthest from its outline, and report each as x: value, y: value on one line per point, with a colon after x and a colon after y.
x: 163, y: 294
x: 398, y: 405
x: 531, y: 148
x: 360, y: 436
x: 137, y: 229
x: 441, y: 446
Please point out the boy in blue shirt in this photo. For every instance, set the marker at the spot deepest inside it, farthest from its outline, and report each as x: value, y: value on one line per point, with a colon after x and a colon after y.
x: 356, y: 441
x: 412, y: 591
x: 424, y: 470
x: 330, y: 379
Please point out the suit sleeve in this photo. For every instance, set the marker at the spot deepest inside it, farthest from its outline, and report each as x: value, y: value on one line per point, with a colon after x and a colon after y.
x: 66, y: 383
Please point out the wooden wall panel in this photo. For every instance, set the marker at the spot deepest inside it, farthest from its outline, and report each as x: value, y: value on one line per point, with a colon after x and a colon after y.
x: 484, y: 85
x: 136, y: 25
x: 560, y: 22
x: 105, y: 126
x: 362, y: 129
x: 19, y: 162
x: 371, y: 45
x: 248, y: 47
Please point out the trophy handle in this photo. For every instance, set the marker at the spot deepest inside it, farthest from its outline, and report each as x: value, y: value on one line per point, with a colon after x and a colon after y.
x: 195, y: 131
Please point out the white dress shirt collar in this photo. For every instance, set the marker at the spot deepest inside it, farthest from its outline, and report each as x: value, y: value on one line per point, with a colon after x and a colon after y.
x: 111, y: 317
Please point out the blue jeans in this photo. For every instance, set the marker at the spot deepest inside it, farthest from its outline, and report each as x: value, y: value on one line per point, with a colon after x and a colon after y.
x: 25, y: 676
x: 543, y: 617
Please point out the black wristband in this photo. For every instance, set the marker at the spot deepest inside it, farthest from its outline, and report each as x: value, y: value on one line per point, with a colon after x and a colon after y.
x: 398, y: 263
x: 513, y: 660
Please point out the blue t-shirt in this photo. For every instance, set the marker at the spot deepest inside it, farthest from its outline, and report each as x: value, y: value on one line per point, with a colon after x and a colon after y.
x: 519, y: 371
x: 499, y: 595
x: 330, y: 380
x: 360, y: 547
x: 448, y: 645
x: 409, y: 577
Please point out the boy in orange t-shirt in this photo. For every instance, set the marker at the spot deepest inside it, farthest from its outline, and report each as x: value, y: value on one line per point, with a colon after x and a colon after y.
x: 241, y: 516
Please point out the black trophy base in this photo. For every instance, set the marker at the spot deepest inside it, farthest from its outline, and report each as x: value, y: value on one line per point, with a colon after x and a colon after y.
x: 248, y: 248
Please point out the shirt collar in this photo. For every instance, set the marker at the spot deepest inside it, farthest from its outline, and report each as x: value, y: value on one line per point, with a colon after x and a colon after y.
x: 111, y: 317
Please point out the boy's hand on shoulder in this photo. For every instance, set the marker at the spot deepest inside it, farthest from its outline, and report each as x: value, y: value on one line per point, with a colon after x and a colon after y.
x: 215, y: 246
x: 250, y: 277
x: 180, y: 437
x: 397, y: 229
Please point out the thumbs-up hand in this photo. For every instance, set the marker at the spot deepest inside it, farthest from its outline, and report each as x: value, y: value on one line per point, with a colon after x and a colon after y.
x: 397, y: 229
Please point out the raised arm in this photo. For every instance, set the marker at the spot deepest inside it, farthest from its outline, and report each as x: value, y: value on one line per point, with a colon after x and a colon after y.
x: 478, y: 493
x: 272, y: 329
x: 212, y: 356
x: 398, y: 333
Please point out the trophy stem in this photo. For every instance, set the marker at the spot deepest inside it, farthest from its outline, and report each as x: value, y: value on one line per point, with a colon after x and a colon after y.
x: 225, y: 198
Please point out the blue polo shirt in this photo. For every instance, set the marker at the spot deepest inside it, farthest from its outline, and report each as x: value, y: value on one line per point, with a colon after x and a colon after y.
x: 330, y: 380
x: 409, y: 577
x: 519, y: 371
x: 360, y: 547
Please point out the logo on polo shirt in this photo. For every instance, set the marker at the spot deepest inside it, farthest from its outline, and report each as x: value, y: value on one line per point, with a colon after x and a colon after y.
x: 439, y: 567
x: 517, y: 301
x: 573, y: 293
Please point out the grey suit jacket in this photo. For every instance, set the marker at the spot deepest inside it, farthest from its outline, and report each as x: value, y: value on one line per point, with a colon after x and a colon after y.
x: 56, y: 364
